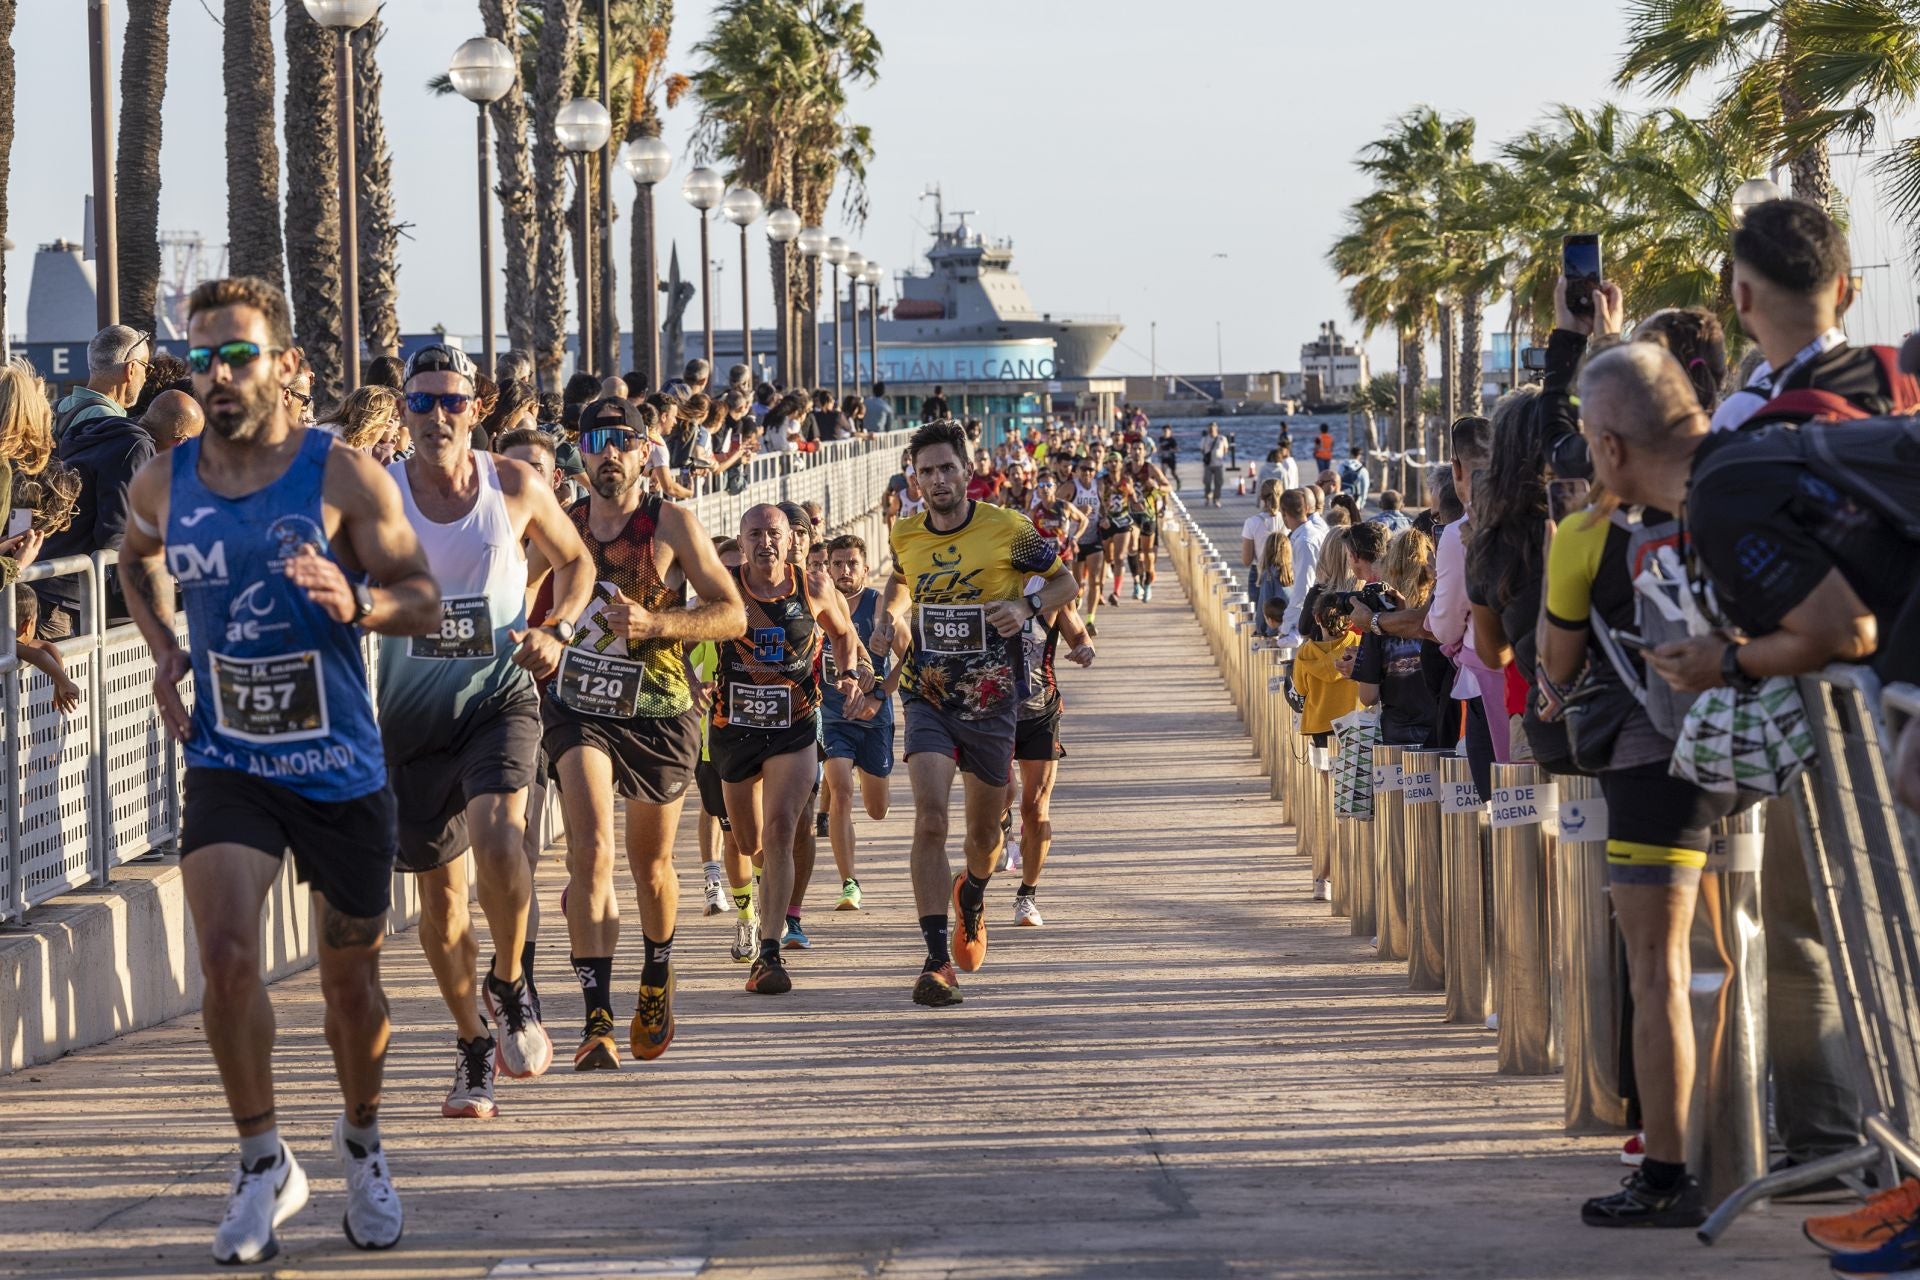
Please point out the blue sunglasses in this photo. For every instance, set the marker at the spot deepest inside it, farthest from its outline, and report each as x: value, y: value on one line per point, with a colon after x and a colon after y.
x: 423, y: 401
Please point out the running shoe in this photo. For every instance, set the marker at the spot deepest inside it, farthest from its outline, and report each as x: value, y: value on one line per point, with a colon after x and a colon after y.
x: 1146, y: 594
x: 524, y: 1048
x: 820, y: 825
x: 937, y: 988
x: 597, y: 1051
x: 746, y: 939
x: 969, y: 932
x: 263, y: 1196
x: 769, y: 979
x: 1113, y: 598
x: 1637, y: 1204
x: 1898, y: 1256
x: 1136, y: 591
x: 1026, y: 911
x: 374, y: 1219
x: 716, y: 895
x: 1634, y: 1150
x: 1323, y: 891
x: 1092, y: 629
x: 849, y: 897
x: 471, y: 1097
x: 794, y: 938
x: 1873, y: 1224
x: 652, y: 1029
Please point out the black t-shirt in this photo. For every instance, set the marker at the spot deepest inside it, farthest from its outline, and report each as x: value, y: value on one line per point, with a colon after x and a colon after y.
x: 1768, y: 532
x: 1408, y: 712
x: 1518, y: 617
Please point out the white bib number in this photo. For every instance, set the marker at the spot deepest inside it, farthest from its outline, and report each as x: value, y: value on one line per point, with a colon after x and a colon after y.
x: 953, y: 630
x: 466, y: 632
x: 267, y: 700
x: 752, y: 706
x: 597, y: 685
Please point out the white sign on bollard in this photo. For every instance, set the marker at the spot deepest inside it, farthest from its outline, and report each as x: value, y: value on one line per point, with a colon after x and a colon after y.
x: 1524, y: 806
x: 1583, y: 821
x: 1460, y: 797
x: 1386, y: 777
x: 1421, y: 788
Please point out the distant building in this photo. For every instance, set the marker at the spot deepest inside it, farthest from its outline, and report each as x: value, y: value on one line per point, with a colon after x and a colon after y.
x: 1340, y: 366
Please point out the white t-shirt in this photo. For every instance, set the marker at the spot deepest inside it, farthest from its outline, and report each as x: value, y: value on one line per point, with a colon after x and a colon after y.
x: 1258, y: 527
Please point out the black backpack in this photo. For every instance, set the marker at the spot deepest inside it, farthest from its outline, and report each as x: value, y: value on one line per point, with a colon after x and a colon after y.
x: 1875, y: 461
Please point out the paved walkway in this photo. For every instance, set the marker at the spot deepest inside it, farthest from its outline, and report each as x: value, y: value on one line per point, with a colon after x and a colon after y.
x: 1190, y: 1072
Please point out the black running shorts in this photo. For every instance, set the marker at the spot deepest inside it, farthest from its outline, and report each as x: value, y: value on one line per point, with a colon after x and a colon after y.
x: 1039, y: 738
x: 653, y: 756
x: 712, y: 798
x: 343, y: 849
x: 492, y: 754
x: 738, y: 754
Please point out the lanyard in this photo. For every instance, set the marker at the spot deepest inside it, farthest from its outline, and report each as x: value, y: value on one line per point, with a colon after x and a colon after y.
x: 1806, y: 355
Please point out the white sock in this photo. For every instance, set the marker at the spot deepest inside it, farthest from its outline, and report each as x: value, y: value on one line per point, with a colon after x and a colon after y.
x: 261, y: 1146
x: 366, y: 1139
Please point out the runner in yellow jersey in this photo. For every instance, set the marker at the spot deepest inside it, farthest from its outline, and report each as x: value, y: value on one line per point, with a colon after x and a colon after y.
x: 960, y: 570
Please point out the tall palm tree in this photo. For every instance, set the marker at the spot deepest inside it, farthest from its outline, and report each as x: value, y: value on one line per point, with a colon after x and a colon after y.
x: 143, y: 91
x: 254, y: 247
x: 379, y: 236
x: 313, y: 200
x: 773, y: 95
x: 6, y: 131
x: 558, y: 43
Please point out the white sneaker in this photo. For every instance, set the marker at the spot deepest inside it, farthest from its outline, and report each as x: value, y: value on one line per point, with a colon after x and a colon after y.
x: 523, y: 1049
x: 374, y: 1219
x: 1026, y: 911
x: 1323, y: 891
x: 1493, y: 1022
x: 746, y: 939
x: 259, y: 1201
x: 471, y: 1097
x: 1010, y: 855
x: 716, y: 894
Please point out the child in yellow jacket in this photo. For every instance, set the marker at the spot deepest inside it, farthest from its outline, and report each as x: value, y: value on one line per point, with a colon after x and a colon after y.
x: 1320, y: 676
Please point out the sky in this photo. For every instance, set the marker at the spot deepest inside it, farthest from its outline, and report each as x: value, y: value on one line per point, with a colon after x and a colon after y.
x: 1183, y: 168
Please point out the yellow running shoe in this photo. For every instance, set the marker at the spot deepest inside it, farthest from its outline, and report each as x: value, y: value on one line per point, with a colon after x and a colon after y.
x: 652, y: 1029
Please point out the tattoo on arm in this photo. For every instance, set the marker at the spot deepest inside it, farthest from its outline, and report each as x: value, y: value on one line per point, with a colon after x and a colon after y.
x: 146, y: 577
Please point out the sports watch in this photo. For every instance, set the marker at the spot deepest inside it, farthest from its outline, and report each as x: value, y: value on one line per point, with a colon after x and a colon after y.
x: 1033, y: 603
x: 362, y: 602
x: 1731, y: 672
x: 563, y: 630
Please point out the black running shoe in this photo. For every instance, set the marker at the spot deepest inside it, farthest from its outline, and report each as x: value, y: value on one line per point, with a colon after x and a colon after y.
x: 1637, y: 1204
x: 820, y: 824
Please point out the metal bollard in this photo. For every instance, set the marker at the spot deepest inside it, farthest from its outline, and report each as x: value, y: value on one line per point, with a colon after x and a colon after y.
x: 1463, y: 832
x: 1587, y: 968
x: 1426, y: 895
x: 1521, y: 812
x: 1357, y: 848
x: 1727, y: 1123
x: 1389, y: 855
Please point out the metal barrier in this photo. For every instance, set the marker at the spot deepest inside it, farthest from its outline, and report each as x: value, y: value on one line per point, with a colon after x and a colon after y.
x: 1861, y: 850
x: 1589, y: 973
x: 1467, y: 888
x: 1426, y: 893
x: 100, y: 786
x: 1727, y: 1121
x: 1521, y: 812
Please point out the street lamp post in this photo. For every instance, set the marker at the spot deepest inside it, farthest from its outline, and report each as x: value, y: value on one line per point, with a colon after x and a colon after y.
x: 482, y: 72
x: 742, y: 207
x: 608, y: 320
x: 856, y: 268
x: 813, y: 243
x: 783, y: 224
x: 836, y: 253
x: 1752, y: 192
x: 703, y: 188
x: 874, y: 275
x: 584, y: 126
x: 346, y: 17
x: 647, y: 160
x: 106, y: 233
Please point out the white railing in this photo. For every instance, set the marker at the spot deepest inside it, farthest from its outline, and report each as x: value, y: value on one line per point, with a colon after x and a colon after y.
x: 97, y: 787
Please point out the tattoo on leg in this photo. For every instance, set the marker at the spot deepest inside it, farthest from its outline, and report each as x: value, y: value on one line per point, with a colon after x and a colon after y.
x: 341, y: 931
x: 263, y: 1118
x: 365, y: 1114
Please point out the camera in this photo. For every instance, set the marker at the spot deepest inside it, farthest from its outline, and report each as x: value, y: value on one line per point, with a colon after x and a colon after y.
x: 1570, y: 457
x: 1373, y: 595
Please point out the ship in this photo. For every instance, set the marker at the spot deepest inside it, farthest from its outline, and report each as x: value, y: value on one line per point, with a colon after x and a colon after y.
x: 971, y: 293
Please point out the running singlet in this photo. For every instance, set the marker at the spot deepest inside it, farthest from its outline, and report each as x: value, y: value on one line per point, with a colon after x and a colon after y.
x: 958, y: 662
x: 600, y: 673
x: 864, y: 607
x: 767, y: 676
x: 1116, y: 502
x: 1087, y: 498
x: 280, y: 687
x: 482, y: 571
x: 1040, y: 646
x: 1141, y: 500
x: 1051, y: 523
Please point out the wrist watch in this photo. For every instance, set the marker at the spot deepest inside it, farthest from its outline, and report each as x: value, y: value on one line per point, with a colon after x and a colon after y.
x: 1731, y: 673
x: 1374, y: 626
x: 1033, y: 603
x: 362, y: 602
x: 563, y: 630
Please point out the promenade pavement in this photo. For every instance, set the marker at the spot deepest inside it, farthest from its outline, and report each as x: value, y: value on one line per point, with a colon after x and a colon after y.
x: 1189, y: 1072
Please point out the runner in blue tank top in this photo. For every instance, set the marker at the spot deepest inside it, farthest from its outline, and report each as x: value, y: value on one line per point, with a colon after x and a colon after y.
x: 268, y: 526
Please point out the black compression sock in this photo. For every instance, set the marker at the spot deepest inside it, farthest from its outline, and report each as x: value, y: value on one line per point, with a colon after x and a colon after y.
x: 1026, y: 891
x: 973, y: 892
x: 1663, y: 1177
x: 596, y: 981
x: 653, y: 971
x: 934, y: 930
x: 526, y: 961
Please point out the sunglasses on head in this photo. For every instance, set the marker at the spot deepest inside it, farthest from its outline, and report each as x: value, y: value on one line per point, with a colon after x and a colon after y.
x: 235, y: 355
x: 452, y: 401
x: 601, y: 439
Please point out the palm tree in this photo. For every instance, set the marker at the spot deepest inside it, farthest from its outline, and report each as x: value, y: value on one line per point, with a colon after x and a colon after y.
x: 6, y: 131
x: 773, y: 95
x: 313, y: 200
x: 379, y: 242
x: 253, y: 159
x: 557, y: 45
x: 143, y: 91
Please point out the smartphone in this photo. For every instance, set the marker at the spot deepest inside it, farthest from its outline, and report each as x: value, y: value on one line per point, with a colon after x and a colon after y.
x: 1564, y: 497
x: 1580, y: 264
x: 1632, y: 643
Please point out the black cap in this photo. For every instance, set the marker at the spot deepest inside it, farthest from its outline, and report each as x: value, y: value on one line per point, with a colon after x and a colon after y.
x: 596, y: 414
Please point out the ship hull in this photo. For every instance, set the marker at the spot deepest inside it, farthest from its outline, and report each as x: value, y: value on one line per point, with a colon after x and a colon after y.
x: 1078, y: 345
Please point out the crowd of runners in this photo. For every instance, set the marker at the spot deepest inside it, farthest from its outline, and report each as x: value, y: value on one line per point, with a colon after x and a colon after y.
x: 610, y: 647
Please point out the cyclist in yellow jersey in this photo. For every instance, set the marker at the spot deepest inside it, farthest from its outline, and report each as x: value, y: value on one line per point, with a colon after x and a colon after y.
x: 958, y: 583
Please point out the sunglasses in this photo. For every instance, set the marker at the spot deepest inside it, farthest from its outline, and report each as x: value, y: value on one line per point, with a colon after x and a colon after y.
x: 601, y: 439
x: 234, y: 355
x: 423, y: 401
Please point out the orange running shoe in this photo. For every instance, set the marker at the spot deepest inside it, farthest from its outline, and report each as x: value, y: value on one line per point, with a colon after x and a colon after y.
x: 769, y: 979
x: 1869, y: 1226
x: 597, y: 1051
x: 652, y: 1028
x: 937, y: 988
x: 969, y: 932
